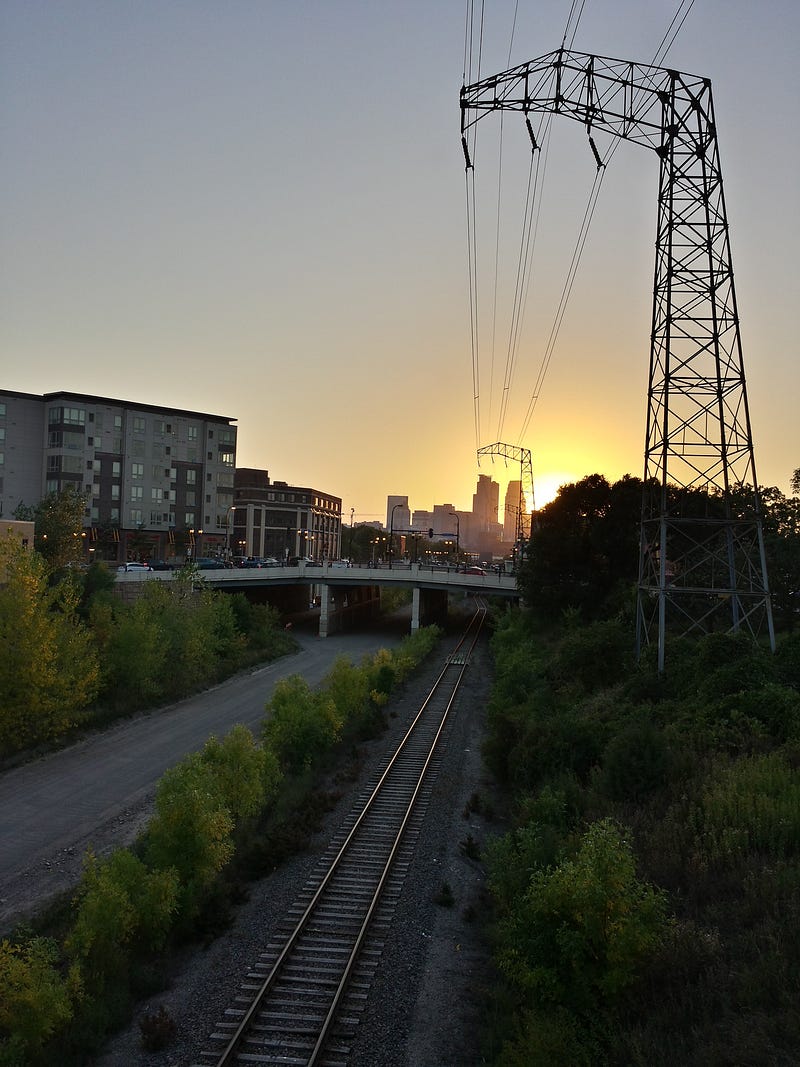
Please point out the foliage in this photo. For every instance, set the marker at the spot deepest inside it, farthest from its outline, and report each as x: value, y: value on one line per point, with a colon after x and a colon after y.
x: 702, y: 764
x: 635, y: 762
x: 191, y: 830
x: 122, y: 908
x: 49, y: 669
x: 535, y: 844
x: 58, y: 527
x: 246, y: 773
x: 35, y: 1000
x: 301, y: 723
x: 585, y: 543
x: 753, y: 805
x: 594, y: 656
x: 583, y: 928
x: 158, y: 1029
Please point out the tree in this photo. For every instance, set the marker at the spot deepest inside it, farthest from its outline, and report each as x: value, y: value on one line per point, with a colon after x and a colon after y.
x: 59, y: 527
x: 49, y: 668
x: 35, y: 1000
x: 795, y: 482
x: 586, y: 543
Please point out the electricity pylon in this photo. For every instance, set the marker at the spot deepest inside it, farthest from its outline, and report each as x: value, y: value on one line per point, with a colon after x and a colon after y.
x: 701, y: 560
x: 523, y: 457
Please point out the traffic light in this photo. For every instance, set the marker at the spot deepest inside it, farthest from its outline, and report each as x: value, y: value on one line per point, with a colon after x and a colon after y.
x: 430, y: 533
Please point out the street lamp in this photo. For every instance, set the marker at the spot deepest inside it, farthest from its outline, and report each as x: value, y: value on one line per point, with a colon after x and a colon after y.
x: 391, y: 532
x: 196, y: 535
x: 350, y: 550
x: 228, y: 530
x: 458, y: 532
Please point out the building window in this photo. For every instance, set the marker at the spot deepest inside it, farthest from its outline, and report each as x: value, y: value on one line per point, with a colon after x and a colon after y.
x: 192, y: 433
x: 98, y: 422
x: 191, y: 477
x: 117, y: 422
x: 155, y: 518
x: 227, y: 437
x: 139, y: 424
x: 137, y: 470
x: 116, y: 444
x: 188, y: 518
x: 51, y: 485
x: 114, y: 514
x: 115, y: 492
x: 156, y: 495
x: 227, y: 459
x: 2, y: 410
x: 136, y: 516
x: 137, y: 492
x: 116, y: 468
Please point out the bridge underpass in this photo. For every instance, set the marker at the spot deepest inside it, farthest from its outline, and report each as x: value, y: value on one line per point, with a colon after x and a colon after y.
x: 344, y: 596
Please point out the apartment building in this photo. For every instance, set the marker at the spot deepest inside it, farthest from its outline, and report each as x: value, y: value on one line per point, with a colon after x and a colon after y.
x: 158, y: 481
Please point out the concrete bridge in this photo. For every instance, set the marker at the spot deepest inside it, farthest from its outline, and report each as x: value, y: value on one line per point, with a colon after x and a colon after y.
x: 343, y: 592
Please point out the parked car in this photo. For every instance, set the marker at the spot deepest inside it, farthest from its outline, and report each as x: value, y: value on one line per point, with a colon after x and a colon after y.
x: 134, y: 567
x: 162, y: 565
x: 209, y: 563
x: 475, y: 570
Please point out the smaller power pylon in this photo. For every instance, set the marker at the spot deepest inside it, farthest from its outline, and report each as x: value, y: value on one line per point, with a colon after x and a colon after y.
x: 523, y: 457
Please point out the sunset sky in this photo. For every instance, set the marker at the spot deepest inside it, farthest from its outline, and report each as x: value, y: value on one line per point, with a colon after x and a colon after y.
x: 257, y: 209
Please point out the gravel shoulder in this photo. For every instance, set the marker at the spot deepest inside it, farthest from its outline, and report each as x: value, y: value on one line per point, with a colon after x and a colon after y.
x: 425, y: 1005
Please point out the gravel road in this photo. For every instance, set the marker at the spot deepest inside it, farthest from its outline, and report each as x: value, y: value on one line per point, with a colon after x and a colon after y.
x: 424, y: 1009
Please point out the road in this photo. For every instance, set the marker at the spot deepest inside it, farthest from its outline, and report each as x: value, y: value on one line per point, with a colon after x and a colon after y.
x: 96, y: 793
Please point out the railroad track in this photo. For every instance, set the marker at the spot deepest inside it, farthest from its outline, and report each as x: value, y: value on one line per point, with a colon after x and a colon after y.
x: 300, y: 1003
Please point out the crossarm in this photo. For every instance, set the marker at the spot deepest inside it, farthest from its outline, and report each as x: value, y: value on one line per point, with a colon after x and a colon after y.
x: 625, y: 99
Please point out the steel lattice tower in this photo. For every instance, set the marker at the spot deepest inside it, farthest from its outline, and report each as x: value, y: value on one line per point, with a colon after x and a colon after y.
x: 701, y: 560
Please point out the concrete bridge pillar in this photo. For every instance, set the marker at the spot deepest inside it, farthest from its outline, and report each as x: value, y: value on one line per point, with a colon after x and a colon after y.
x: 330, y: 616
x: 415, y: 601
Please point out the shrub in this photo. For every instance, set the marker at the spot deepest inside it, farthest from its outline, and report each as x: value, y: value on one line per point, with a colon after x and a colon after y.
x: 595, y: 656
x: 191, y: 829
x: 121, y: 907
x: 635, y: 762
x: 583, y: 928
x: 157, y: 1029
x: 300, y: 724
x: 242, y: 770
x: 752, y: 804
x: 35, y: 1001
x: 535, y: 845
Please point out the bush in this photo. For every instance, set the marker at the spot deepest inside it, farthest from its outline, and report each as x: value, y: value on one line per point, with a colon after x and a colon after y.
x: 246, y: 774
x: 635, y: 762
x: 583, y: 928
x: 301, y: 724
x: 595, y: 656
x: 122, y: 909
x: 191, y: 830
x: 35, y: 1001
x: 752, y: 805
